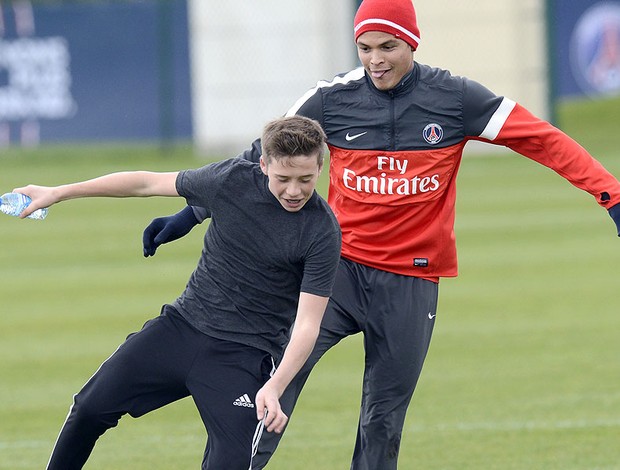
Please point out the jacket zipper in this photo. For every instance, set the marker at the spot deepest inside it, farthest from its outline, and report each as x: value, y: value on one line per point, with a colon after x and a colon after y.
x: 392, y: 122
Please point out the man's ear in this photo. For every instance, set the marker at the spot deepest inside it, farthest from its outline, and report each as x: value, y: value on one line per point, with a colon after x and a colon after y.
x: 263, y: 165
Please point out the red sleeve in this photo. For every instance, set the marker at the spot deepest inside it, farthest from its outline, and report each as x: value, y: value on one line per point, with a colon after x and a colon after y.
x: 521, y: 131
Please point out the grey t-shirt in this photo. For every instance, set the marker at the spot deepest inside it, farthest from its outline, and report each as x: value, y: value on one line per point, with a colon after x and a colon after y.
x: 257, y: 256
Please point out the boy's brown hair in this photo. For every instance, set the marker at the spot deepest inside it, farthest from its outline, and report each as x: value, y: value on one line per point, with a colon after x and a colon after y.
x: 293, y: 136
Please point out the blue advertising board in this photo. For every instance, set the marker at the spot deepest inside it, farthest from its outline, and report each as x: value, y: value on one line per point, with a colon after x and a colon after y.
x: 95, y: 71
x: 585, y: 47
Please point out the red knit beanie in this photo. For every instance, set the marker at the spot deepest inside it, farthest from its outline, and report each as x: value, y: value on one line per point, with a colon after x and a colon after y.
x: 395, y: 17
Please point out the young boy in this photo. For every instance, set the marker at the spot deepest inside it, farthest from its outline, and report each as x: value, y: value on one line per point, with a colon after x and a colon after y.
x: 270, y: 257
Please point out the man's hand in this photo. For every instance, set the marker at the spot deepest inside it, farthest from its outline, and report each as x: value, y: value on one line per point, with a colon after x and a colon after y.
x: 614, y: 212
x: 268, y: 408
x: 167, y: 229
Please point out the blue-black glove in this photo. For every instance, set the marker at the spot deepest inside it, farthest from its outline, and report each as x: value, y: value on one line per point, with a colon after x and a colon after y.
x: 614, y: 212
x: 167, y: 229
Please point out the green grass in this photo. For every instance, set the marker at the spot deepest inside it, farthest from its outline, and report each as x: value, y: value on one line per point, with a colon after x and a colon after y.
x: 523, y: 372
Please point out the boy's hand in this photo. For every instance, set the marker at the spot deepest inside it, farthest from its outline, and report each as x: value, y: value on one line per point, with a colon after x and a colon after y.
x: 268, y: 408
x: 42, y: 196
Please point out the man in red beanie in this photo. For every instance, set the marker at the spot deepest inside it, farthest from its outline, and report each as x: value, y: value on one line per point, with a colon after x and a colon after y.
x: 395, y: 17
x: 396, y: 131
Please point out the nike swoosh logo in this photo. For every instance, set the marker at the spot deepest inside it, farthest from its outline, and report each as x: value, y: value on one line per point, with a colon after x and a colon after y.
x: 349, y: 138
x: 431, y: 316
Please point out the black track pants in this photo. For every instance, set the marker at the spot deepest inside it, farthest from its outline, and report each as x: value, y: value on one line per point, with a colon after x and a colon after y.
x: 396, y: 314
x: 165, y: 361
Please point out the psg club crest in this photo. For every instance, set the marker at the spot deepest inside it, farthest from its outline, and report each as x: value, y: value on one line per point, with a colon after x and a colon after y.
x: 595, y: 49
x: 433, y: 133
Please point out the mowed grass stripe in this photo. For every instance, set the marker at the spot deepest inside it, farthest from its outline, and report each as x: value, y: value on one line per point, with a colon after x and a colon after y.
x: 524, y: 367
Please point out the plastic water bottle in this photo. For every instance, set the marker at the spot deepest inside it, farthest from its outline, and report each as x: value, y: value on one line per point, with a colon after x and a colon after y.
x: 15, y: 203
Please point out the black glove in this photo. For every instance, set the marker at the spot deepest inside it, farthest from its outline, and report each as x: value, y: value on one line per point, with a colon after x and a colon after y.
x: 614, y: 212
x: 167, y: 229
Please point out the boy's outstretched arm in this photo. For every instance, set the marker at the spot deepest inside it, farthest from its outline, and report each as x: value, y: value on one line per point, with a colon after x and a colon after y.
x: 124, y: 184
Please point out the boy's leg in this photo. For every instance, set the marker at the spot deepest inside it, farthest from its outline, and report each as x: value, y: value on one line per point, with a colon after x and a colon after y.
x: 145, y: 373
x: 223, y: 382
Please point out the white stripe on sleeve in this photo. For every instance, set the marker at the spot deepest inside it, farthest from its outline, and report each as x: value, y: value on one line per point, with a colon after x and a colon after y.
x: 355, y: 74
x: 498, y: 119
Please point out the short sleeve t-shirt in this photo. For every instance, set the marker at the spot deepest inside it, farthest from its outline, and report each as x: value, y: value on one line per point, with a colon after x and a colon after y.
x: 257, y: 256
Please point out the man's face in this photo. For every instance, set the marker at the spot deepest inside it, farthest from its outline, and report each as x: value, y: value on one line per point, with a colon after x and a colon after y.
x: 292, y: 180
x: 386, y: 58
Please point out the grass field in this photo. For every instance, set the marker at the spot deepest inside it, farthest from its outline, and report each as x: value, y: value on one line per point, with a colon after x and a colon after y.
x: 523, y: 372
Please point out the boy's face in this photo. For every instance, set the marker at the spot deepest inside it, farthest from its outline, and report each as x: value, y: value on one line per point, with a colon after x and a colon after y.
x: 292, y: 180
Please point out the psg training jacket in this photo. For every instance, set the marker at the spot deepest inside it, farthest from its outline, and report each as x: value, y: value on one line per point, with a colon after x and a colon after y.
x: 394, y: 158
